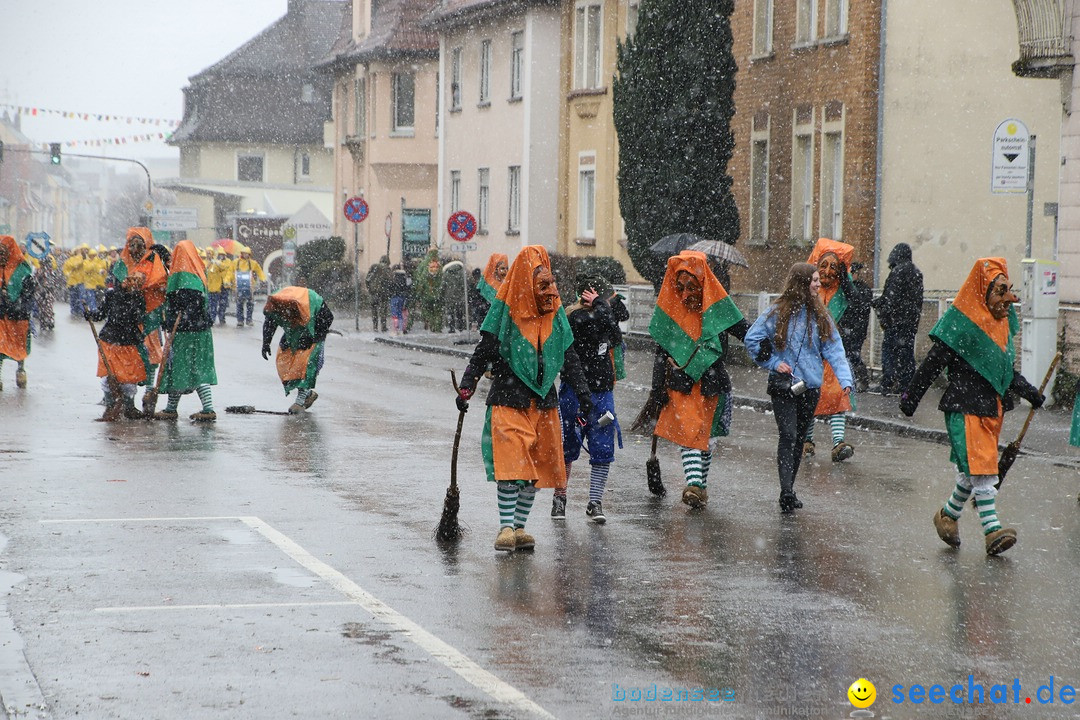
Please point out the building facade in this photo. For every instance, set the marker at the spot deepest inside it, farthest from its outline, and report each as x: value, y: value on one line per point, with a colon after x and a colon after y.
x: 251, y: 140
x: 499, y: 141
x: 385, y: 128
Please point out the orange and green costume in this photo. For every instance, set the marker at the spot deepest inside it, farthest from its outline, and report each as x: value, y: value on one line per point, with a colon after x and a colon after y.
x: 691, y: 339
x: 296, y: 310
x: 526, y: 350
x: 833, y: 400
x: 153, y: 288
x: 488, y: 286
x: 17, y: 290
x: 191, y: 360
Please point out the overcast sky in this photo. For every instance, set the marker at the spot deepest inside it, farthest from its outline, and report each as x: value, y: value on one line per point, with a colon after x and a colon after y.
x: 130, y: 58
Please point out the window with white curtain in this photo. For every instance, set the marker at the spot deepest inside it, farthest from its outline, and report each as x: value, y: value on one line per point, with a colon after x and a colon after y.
x: 587, y: 50
x: 514, y: 195
x: 485, y: 72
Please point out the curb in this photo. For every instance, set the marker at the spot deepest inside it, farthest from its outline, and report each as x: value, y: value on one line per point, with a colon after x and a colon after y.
x: 762, y: 405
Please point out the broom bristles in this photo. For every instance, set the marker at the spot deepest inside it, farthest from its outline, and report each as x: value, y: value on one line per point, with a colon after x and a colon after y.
x: 449, y: 529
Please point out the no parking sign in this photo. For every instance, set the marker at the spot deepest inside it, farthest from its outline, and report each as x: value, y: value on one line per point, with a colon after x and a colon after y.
x: 38, y: 244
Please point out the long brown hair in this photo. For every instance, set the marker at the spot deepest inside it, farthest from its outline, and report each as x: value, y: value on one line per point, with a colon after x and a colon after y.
x: 797, y: 295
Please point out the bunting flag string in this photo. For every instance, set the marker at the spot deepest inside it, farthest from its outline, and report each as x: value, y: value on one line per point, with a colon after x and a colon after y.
x: 103, y: 142
x: 73, y: 115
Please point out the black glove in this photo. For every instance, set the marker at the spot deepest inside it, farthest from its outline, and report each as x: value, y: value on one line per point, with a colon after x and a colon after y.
x: 1037, y: 402
x: 462, y: 399
x: 585, y: 408
x: 304, y: 342
x: 266, y: 352
x: 908, y: 404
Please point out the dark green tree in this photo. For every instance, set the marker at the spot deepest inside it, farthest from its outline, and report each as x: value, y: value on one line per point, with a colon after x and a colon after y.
x: 674, y: 100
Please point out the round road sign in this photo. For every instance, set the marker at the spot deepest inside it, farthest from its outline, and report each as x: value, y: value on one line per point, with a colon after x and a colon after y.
x: 37, y: 244
x: 356, y: 209
x: 461, y: 225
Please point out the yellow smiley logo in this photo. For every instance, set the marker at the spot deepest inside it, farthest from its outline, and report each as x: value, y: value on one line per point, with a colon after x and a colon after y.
x: 862, y: 693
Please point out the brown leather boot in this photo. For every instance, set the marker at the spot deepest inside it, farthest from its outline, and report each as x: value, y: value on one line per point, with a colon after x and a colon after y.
x: 999, y: 541
x: 947, y: 529
x: 695, y: 496
x: 505, y: 540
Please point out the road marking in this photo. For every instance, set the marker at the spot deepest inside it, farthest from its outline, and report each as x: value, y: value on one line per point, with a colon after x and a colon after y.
x: 445, y: 653
x: 218, y: 606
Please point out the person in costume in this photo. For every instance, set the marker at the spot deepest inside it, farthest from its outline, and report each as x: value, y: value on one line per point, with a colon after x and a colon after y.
x: 121, y: 342
x: 832, y: 259
x: 94, y: 272
x: 488, y: 285
x: 527, y: 341
x: 427, y: 290
x: 17, y: 284
x: 190, y: 365
x: 689, y: 380
x: 793, y: 340
x: 73, y: 273
x: 305, y: 319
x: 244, y: 273
x: 45, y: 272
x: 596, y: 336
x: 150, y: 261
x: 973, y: 344
x: 217, y: 273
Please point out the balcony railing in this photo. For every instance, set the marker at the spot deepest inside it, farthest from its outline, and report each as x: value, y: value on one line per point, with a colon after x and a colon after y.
x: 1045, y: 40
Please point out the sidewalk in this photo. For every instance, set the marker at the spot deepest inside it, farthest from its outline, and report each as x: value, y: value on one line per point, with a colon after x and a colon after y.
x: 1047, y: 437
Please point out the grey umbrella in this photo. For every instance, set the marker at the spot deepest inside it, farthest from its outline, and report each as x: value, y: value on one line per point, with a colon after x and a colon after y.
x: 721, y: 251
x: 673, y: 244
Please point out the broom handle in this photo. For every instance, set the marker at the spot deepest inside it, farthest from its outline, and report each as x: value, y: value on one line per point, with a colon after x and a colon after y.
x: 165, y: 352
x: 114, y: 384
x: 457, y: 437
x: 1042, y: 387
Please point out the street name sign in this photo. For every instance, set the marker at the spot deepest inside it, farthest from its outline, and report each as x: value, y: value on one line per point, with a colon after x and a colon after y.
x: 462, y: 247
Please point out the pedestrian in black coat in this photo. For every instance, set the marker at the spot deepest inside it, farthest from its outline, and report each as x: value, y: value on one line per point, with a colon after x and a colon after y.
x: 855, y: 323
x: 898, y: 309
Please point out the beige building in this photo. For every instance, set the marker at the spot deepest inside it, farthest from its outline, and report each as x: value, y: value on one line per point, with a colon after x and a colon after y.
x: 590, y: 223
x: 384, y: 129
x: 945, y: 87
x: 499, y: 144
x: 251, y: 140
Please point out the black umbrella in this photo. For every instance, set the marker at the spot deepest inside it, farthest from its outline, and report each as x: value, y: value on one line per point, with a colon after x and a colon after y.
x: 673, y: 244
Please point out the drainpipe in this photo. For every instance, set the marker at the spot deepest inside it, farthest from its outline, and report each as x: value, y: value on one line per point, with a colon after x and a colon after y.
x: 880, y: 146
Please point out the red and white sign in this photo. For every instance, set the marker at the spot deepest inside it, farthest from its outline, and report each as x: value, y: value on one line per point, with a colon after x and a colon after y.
x: 461, y: 225
x: 356, y: 209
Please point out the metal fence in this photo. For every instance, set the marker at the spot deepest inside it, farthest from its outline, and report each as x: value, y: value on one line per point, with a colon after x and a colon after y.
x: 641, y: 300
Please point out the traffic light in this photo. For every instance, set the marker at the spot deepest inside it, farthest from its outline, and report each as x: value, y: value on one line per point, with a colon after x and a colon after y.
x: 54, y: 153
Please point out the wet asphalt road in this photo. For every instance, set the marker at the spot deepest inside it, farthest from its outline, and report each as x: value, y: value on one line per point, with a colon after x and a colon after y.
x: 269, y: 567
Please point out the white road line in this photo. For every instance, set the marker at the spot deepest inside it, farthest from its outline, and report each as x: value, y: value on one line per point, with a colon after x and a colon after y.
x: 218, y: 606
x: 446, y: 654
x: 441, y: 651
x: 142, y: 519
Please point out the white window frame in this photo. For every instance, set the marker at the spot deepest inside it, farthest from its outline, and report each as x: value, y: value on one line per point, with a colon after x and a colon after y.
x: 517, y: 63
x: 763, y: 28
x: 805, y: 21
x: 485, y: 73
x: 633, y: 9
x: 246, y: 154
x: 455, y: 190
x: 454, y: 96
x: 836, y: 11
x: 397, y: 126
x: 360, y: 106
x: 831, y: 203
x: 483, y: 200
x: 759, y: 185
x: 802, y: 181
x: 513, y: 195
x: 588, y: 57
x: 586, y: 195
